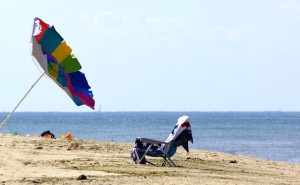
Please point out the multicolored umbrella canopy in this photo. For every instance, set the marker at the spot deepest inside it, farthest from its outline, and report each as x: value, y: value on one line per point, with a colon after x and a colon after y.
x: 56, y: 59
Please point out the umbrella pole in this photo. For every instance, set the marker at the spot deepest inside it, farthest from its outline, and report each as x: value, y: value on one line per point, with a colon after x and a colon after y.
x: 8, y: 117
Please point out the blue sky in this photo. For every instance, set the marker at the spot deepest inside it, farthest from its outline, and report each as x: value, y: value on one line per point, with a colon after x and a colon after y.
x: 171, y: 55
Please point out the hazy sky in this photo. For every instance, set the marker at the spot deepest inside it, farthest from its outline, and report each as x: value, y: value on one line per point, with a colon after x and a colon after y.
x: 160, y: 55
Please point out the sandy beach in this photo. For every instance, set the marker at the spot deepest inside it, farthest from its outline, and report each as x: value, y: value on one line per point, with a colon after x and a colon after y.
x: 37, y: 160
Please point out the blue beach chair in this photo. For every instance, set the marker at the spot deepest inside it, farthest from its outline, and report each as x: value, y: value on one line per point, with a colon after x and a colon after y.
x: 179, y: 136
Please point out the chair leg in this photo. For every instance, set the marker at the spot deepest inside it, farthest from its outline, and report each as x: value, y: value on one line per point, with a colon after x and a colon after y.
x: 174, y: 165
x: 166, y: 160
x: 139, y: 161
x: 169, y: 161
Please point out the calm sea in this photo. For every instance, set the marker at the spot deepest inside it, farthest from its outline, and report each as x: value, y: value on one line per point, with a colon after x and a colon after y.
x: 269, y: 135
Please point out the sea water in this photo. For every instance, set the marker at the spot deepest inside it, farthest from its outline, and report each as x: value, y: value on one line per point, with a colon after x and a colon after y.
x: 268, y: 135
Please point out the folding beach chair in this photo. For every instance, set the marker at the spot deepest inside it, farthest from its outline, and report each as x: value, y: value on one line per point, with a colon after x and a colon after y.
x: 179, y: 136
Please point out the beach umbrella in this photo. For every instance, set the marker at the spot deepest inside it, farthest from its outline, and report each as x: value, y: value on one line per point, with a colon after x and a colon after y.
x: 58, y: 62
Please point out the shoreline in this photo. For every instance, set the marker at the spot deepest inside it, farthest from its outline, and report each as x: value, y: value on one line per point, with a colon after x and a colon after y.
x: 37, y: 160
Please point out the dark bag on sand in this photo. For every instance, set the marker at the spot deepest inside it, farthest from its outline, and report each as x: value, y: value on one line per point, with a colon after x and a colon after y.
x: 46, y: 133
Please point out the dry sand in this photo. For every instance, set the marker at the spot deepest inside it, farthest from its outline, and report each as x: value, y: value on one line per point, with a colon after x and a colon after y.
x: 37, y: 160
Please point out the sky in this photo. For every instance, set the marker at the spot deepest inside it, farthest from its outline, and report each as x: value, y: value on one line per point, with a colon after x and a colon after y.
x: 159, y: 55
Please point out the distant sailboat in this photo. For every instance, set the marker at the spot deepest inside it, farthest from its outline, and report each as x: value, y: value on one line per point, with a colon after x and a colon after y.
x: 99, y: 108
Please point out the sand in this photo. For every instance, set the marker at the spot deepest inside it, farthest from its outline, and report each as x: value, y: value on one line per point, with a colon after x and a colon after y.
x: 37, y: 160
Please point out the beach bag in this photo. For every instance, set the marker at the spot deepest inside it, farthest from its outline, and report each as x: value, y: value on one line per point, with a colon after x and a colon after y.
x: 48, y: 134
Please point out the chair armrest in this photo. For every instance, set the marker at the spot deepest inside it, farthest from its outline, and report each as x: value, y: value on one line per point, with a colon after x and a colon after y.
x: 151, y: 141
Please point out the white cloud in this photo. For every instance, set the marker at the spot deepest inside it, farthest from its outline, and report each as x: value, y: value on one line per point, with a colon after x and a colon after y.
x: 117, y: 23
x: 287, y: 12
x: 244, y: 31
x: 160, y: 21
x: 105, y: 21
x: 109, y: 19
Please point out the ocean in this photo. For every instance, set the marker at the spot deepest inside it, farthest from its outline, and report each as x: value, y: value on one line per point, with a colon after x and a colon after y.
x: 268, y: 135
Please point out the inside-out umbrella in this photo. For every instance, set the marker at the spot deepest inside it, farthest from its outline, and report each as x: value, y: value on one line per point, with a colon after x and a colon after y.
x: 58, y: 62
